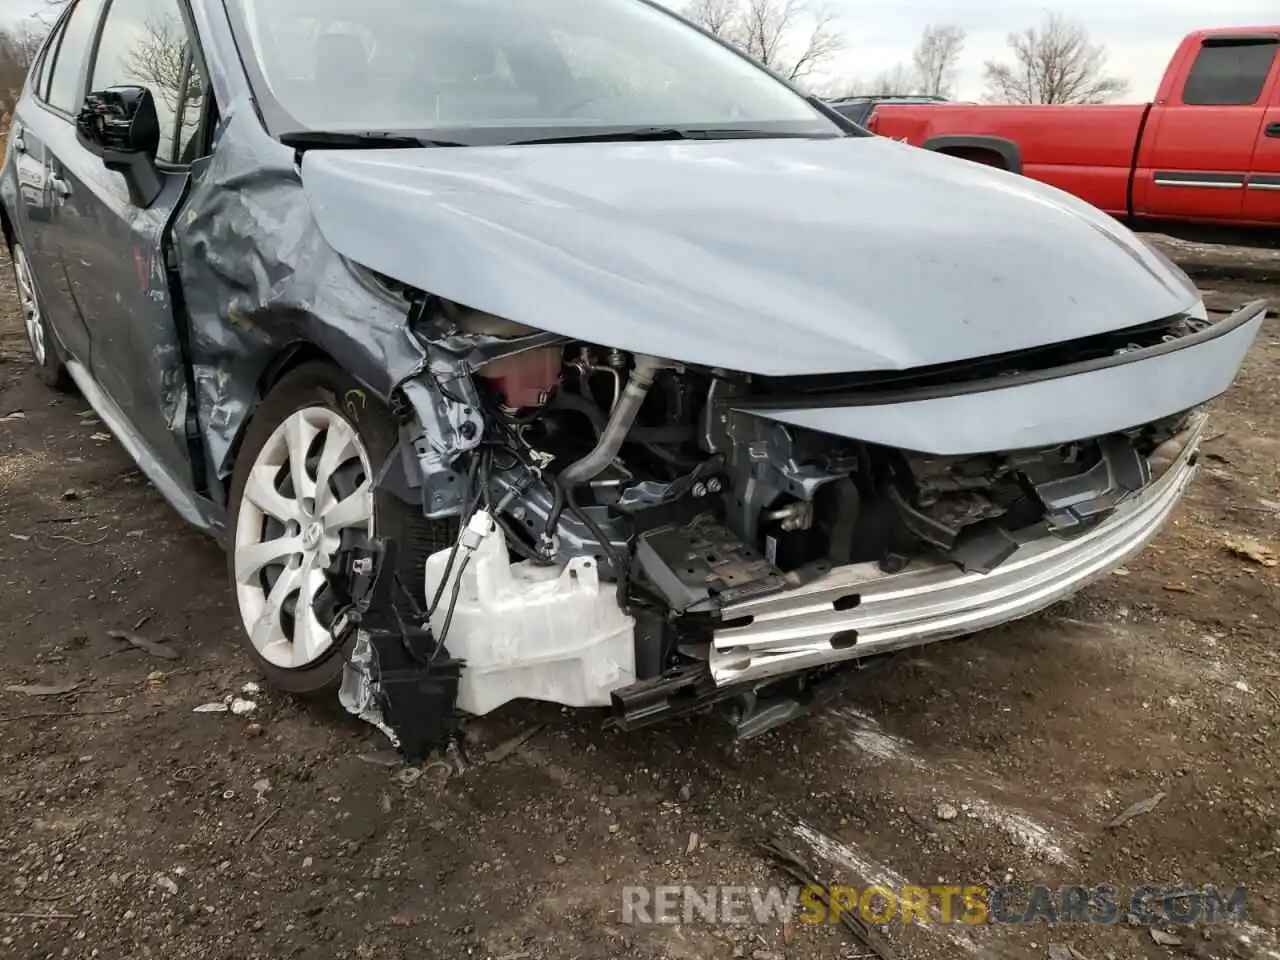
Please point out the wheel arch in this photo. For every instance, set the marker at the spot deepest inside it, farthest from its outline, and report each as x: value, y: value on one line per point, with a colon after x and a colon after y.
x: 6, y: 225
x: 979, y: 149
x: 280, y: 364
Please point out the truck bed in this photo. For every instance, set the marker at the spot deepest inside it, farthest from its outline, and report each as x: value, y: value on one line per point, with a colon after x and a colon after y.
x: 1087, y: 150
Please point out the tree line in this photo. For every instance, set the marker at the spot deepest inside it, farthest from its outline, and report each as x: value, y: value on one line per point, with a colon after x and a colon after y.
x: 1054, y: 61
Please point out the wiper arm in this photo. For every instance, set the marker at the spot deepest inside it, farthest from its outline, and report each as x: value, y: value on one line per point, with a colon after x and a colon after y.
x: 624, y: 135
x: 365, y: 140
x: 635, y: 134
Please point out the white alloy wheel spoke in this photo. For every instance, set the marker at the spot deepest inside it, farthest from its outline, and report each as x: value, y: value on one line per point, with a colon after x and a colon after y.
x: 252, y: 557
x: 339, y: 447
x: 298, y: 434
x: 260, y: 490
x: 310, y: 638
x: 269, y: 628
x: 355, y: 510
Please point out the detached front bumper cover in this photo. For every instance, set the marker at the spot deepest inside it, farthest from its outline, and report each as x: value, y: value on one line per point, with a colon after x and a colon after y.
x: 857, y: 611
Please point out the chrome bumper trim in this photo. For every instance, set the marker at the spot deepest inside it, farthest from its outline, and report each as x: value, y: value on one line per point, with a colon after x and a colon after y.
x: 858, y: 611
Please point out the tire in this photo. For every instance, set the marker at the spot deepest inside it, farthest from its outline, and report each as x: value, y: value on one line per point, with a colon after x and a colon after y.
x: 44, y: 348
x: 347, y: 434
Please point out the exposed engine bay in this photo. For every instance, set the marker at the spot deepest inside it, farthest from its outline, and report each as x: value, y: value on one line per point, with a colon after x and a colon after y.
x: 612, y: 507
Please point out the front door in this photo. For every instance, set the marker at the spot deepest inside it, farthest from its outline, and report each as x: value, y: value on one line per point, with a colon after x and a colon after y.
x: 1262, y: 196
x: 114, y: 250
x: 1203, y: 139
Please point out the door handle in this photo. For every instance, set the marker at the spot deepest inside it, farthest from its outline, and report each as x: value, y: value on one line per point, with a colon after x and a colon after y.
x: 1273, y: 130
x: 19, y: 140
x: 60, y: 186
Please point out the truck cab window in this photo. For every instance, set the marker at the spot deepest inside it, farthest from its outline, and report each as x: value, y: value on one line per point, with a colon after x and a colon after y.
x: 1230, y: 73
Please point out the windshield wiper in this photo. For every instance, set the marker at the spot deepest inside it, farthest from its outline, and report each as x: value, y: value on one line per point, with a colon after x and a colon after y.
x: 604, y: 136
x: 635, y: 134
x: 365, y: 140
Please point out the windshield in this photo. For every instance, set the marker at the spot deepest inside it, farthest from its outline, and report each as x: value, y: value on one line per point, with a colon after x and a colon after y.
x: 535, y: 66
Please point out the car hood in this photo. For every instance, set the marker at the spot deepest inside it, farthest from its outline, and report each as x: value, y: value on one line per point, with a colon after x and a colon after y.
x: 776, y: 257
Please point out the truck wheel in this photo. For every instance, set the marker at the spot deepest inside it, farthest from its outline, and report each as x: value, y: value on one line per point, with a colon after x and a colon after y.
x: 301, y: 490
x: 44, y: 349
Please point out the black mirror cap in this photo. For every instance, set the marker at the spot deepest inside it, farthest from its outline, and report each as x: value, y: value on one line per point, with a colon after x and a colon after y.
x: 118, y: 123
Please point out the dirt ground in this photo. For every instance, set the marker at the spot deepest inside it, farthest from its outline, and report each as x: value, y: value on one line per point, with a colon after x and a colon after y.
x: 131, y: 826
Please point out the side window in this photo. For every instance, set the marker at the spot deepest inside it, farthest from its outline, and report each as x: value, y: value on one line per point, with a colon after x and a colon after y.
x: 65, y: 92
x: 1230, y: 73
x: 144, y: 44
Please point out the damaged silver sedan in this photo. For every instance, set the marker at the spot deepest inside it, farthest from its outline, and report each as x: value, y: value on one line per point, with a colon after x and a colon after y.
x: 555, y: 350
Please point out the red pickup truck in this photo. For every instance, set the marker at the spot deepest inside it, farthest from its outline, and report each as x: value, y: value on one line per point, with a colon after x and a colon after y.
x: 1206, y: 152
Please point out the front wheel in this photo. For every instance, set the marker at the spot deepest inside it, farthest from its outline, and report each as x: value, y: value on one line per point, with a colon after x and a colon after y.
x: 49, y: 366
x: 301, y: 492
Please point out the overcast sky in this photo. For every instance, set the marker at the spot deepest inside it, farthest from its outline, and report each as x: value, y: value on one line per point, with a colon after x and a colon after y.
x: 1139, y: 34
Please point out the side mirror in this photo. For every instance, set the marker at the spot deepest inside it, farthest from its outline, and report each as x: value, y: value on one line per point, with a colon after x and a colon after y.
x: 120, y: 125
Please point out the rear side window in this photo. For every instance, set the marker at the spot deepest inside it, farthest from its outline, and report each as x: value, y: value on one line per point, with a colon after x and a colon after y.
x: 1230, y: 73
x: 68, y: 60
x: 144, y: 44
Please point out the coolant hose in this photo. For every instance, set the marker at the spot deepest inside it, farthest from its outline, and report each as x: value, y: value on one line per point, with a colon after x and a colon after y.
x: 619, y: 425
x: 611, y: 438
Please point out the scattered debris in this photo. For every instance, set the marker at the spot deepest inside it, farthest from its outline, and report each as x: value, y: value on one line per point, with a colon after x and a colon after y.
x: 251, y: 689
x: 692, y: 846
x: 216, y: 707
x: 43, y: 690
x: 1178, y: 588
x: 142, y: 643
x: 504, y: 750
x: 10, y: 417
x: 1165, y: 939
x: 1060, y: 951
x: 946, y: 812
x: 1137, y: 810
x: 262, y: 825
x: 19, y: 536
x: 1251, y: 549
x: 100, y: 437
x: 70, y: 495
x: 1242, y: 686
x: 382, y: 758
x: 141, y: 620
x: 777, y: 847
x: 261, y: 788
x: 242, y: 708
x: 167, y: 884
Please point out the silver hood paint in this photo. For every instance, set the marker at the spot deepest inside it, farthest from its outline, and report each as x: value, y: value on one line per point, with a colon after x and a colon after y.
x: 774, y: 257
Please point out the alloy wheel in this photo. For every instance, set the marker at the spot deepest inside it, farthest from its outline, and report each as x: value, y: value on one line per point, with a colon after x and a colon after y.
x: 31, y: 315
x: 309, y: 485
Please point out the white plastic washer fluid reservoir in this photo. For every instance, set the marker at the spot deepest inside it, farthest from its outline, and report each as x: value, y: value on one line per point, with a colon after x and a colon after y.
x: 526, y: 631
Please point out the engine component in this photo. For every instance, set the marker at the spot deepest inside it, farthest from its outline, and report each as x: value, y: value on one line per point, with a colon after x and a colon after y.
x: 620, y: 423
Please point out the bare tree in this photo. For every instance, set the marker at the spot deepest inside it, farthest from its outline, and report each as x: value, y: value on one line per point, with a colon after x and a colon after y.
x: 1053, y: 63
x: 793, y: 38
x: 158, y: 61
x: 898, y: 79
x: 719, y: 17
x: 936, y: 57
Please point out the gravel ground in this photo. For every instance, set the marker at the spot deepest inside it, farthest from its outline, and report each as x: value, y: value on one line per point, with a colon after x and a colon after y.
x: 131, y: 826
